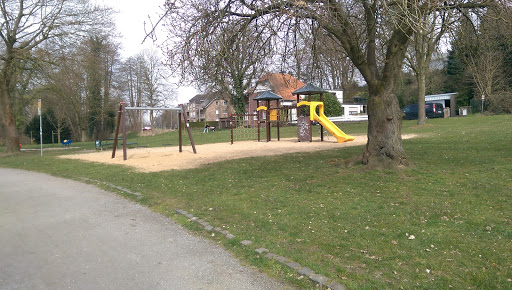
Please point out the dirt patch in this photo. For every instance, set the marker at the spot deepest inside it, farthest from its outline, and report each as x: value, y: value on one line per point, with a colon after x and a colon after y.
x: 168, y: 158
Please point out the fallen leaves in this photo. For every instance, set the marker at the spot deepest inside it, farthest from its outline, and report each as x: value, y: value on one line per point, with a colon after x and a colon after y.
x: 410, y: 237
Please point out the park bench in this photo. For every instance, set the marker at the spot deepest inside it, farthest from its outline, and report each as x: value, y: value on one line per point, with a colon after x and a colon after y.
x: 100, y: 145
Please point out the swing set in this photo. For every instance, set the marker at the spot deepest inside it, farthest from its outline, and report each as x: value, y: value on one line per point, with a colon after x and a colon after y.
x: 121, y: 124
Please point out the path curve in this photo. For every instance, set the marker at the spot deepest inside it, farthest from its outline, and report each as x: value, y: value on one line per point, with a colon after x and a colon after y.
x: 56, y: 233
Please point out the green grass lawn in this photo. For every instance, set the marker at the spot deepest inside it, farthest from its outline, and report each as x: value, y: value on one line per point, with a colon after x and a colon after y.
x: 347, y: 223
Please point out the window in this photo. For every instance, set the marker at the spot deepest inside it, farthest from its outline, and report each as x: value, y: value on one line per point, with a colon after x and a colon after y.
x: 216, y: 112
x: 225, y: 103
x: 217, y: 103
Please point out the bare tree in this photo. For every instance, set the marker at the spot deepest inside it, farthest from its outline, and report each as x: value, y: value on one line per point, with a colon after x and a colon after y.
x: 24, y: 26
x: 156, y: 88
x: 132, y: 82
x: 216, y: 55
x: 99, y: 58
x: 484, y: 42
x: 313, y: 56
x: 374, y: 34
x: 145, y: 83
x: 428, y: 31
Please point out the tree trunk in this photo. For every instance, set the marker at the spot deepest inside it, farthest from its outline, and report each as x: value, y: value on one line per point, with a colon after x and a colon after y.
x: 84, y: 137
x: 7, y: 117
x: 384, y: 147
x: 420, y: 77
x: 59, y: 128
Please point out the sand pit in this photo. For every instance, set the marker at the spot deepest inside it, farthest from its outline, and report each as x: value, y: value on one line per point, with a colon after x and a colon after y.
x: 168, y: 158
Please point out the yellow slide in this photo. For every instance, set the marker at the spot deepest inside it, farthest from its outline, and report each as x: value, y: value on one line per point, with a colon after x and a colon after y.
x: 322, y: 119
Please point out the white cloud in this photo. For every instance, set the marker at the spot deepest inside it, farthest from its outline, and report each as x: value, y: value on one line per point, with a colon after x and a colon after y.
x: 132, y: 18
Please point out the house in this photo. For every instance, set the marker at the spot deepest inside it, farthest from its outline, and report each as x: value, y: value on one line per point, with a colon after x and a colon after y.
x: 358, y: 106
x: 280, y: 83
x: 210, y: 107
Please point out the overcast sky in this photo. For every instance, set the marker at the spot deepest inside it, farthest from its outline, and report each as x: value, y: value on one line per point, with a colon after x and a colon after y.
x: 130, y: 19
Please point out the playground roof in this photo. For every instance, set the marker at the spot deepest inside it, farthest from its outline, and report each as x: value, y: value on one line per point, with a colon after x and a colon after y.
x: 309, y: 89
x: 280, y: 83
x: 268, y: 95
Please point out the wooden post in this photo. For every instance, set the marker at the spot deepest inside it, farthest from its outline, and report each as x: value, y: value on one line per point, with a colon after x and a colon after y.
x: 119, y: 113
x: 322, y: 127
x: 231, y: 120
x: 258, y: 120
x: 267, y: 116
x: 179, y: 131
x: 277, y: 115
x: 188, y: 129
x: 298, y: 111
x: 123, y: 117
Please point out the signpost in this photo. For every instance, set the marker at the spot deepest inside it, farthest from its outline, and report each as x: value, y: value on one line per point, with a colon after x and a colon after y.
x: 483, y: 98
x: 40, y: 125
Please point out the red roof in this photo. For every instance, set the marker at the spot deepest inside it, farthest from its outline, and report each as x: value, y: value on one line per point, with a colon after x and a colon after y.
x: 281, y: 84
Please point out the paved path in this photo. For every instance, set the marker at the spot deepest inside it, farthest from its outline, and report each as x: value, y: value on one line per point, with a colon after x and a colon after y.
x: 56, y: 233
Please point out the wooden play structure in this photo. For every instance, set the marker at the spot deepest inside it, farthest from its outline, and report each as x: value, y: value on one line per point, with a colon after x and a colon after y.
x: 121, y: 122
x: 268, y: 114
x: 263, y: 117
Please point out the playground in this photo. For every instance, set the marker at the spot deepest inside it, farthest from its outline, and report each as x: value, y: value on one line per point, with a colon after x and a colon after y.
x: 178, y: 158
x: 435, y: 225
x: 168, y: 158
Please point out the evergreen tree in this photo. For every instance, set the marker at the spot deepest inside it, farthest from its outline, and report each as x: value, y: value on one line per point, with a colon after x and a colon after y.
x: 50, y: 126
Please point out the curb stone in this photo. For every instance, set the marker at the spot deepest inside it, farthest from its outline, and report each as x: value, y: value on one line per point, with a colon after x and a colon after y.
x: 270, y: 256
x: 304, y: 271
x: 319, y: 279
x: 336, y: 286
x: 293, y: 265
x: 261, y: 250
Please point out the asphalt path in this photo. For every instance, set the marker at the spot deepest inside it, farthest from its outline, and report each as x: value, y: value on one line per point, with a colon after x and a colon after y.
x: 57, y: 233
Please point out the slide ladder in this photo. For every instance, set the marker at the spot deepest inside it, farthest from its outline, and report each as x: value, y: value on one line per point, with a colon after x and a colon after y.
x: 322, y: 119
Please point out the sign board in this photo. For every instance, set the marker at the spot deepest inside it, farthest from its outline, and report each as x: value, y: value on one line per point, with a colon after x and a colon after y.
x: 273, y: 115
x: 39, y: 107
x: 304, y: 129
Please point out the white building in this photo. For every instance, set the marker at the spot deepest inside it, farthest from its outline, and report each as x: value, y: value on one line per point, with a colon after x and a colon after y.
x: 349, y: 109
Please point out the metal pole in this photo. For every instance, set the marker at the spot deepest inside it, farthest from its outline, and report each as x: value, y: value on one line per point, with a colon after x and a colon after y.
x: 41, y: 133
x: 40, y: 125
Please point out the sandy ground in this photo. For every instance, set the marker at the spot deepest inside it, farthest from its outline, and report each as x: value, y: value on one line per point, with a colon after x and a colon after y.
x: 169, y: 158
